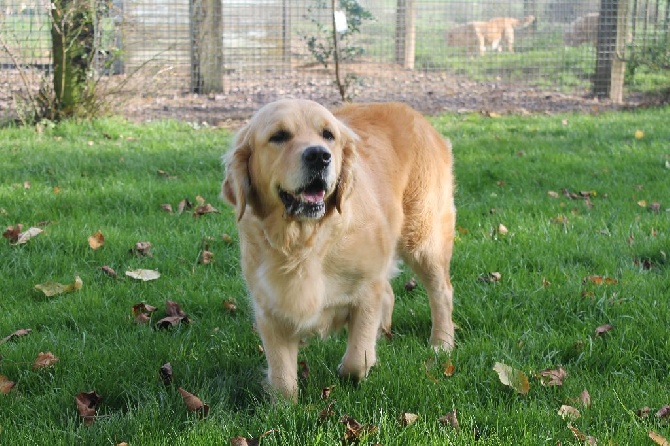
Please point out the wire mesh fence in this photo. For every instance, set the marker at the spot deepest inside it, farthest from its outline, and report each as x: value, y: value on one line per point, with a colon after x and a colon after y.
x: 239, y: 51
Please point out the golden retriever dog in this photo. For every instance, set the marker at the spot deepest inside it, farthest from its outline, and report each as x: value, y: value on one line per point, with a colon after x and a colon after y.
x: 326, y: 205
x: 496, y: 34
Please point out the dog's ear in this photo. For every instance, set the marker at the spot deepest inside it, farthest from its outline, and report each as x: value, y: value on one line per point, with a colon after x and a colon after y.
x: 349, y: 156
x: 236, y: 187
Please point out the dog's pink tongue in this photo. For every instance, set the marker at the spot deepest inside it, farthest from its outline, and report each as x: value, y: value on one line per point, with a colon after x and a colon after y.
x: 313, y: 197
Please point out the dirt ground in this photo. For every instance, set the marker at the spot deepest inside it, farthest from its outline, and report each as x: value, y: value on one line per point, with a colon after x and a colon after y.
x: 430, y: 93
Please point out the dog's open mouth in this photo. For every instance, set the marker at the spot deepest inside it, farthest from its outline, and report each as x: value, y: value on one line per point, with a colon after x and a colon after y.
x: 307, y: 202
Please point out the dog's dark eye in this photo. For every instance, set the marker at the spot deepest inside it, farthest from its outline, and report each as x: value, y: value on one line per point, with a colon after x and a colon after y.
x: 327, y: 135
x: 280, y: 136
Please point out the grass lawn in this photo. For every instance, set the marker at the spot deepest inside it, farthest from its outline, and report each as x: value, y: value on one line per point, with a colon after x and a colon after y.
x: 566, y: 266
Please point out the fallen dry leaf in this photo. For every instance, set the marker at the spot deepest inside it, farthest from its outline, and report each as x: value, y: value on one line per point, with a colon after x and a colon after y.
x: 326, y: 391
x: 87, y: 405
x: 143, y: 308
x: 12, y: 233
x: 639, y: 134
x: 204, y: 209
x: 491, y: 277
x: 449, y: 369
x: 230, y: 306
x: 407, y: 419
x: 327, y: 412
x: 226, y: 238
x: 6, y: 385
x: 569, y: 412
x: 585, y: 398
x: 502, y: 229
x: 16, y: 334
x: 303, y: 373
x: 193, y: 403
x: 663, y: 412
x: 171, y: 321
x: 205, y: 257
x: 603, y: 329
x: 451, y: 419
x: 516, y: 379
x: 644, y: 412
x: 141, y: 249
x: 244, y: 441
x: 143, y: 274
x: 44, y: 360
x: 658, y: 439
x: 108, y: 270
x: 579, y: 435
x: 172, y: 308
x: 600, y: 280
x: 165, y: 373
x: 553, y: 194
x: 142, y: 318
x: 54, y: 288
x: 25, y: 236
x: 96, y: 240
x: 552, y: 377
x: 167, y: 208
x: 410, y: 284
x: 184, y: 205
x: 355, y: 430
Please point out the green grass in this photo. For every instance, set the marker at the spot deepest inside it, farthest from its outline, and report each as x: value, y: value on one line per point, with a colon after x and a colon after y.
x: 107, y: 180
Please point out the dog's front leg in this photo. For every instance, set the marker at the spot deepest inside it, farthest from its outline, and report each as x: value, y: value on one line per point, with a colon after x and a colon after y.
x: 365, y: 319
x: 281, y: 353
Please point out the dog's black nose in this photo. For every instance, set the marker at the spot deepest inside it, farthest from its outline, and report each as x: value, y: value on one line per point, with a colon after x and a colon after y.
x: 316, y: 157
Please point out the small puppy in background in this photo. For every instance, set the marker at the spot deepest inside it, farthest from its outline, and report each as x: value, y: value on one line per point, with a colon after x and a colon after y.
x: 326, y: 205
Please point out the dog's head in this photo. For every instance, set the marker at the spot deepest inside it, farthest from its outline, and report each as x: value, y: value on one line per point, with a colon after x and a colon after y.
x: 294, y: 155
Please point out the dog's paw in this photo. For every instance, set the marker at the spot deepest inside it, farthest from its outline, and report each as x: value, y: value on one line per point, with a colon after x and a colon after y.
x: 441, y: 344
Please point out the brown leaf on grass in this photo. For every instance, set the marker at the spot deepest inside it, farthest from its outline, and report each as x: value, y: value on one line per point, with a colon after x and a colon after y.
x: 560, y: 220
x: 230, y: 306
x: 25, y: 236
x: 87, y: 406
x: 410, y: 284
x: 166, y: 175
x: 96, y: 240
x: 569, y: 412
x: 502, y: 229
x: 603, y: 329
x: 585, y: 398
x: 552, y: 377
x: 450, y: 419
x: 644, y: 412
x: 167, y: 207
x: 142, y: 318
x: 226, y: 238
x: 355, y: 430
x: 599, y: 280
x: 327, y: 412
x: 658, y: 439
x: 491, y: 277
x: 44, y: 360
x: 172, y: 321
x: 553, y: 194
x: 407, y: 419
x: 326, y: 391
x: 204, y: 209
x: 143, y: 308
x: 663, y: 412
x: 655, y: 207
x: 579, y: 435
x: 165, y: 373
x: 12, y: 233
x: 108, y: 270
x: 244, y: 441
x: 183, y: 205
x: 516, y: 379
x: 205, y: 257
x: 6, y: 385
x: 16, y: 334
x: 141, y: 249
x: 449, y: 369
x: 172, y: 308
x: 144, y: 275
x: 54, y: 288
x: 193, y: 403
x: 303, y: 373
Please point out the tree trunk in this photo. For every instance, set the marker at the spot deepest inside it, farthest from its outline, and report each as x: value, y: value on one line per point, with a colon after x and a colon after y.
x: 73, y: 43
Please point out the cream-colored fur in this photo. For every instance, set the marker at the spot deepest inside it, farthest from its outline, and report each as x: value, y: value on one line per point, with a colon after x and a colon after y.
x: 477, y: 37
x: 388, y: 196
x: 583, y: 30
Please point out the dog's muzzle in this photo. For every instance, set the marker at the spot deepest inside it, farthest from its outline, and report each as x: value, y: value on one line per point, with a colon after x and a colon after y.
x: 310, y: 200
